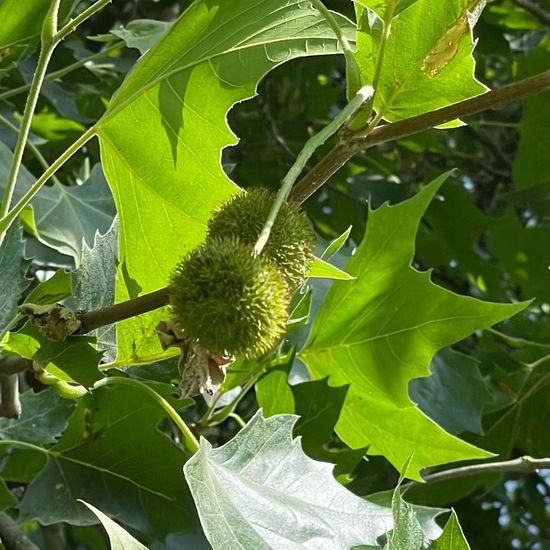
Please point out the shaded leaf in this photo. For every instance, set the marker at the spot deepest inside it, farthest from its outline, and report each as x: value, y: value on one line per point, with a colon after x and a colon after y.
x: 455, y: 394
x: 13, y: 282
x: 101, y: 458
x: 142, y: 34
x: 381, y: 330
x: 118, y: 537
x: 45, y: 415
x: 65, y: 215
x: 165, y: 127
x: 260, y: 491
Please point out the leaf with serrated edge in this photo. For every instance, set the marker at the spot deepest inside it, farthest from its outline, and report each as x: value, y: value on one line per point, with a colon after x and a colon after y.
x: 164, y: 130
x: 381, y: 330
x: 261, y: 491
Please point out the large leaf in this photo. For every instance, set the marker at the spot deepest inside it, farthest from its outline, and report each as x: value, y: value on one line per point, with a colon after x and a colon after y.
x: 428, y: 59
x: 13, y: 282
x: 65, y: 215
x: 164, y: 130
x: 381, y: 330
x: 45, y: 415
x: 112, y: 455
x: 261, y: 491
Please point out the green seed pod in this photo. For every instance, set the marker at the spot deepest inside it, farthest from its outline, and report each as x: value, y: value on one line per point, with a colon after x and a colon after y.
x: 290, y: 245
x: 225, y: 299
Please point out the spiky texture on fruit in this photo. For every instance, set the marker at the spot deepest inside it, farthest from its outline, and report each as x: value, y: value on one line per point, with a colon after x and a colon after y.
x: 290, y: 244
x: 226, y: 299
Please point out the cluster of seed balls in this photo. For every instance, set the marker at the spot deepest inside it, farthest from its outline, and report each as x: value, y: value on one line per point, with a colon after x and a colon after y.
x: 227, y: 299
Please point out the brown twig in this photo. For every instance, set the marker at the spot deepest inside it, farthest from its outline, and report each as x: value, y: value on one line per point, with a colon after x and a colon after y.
x: 522, y: 465
x: 542, y: 15
x: 351, y: 145
x: 113, y: 314
x: 10, y: 404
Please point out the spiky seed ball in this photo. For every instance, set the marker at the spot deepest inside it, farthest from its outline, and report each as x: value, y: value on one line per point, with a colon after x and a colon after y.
x: 224, y: 298
x: 290, y: 244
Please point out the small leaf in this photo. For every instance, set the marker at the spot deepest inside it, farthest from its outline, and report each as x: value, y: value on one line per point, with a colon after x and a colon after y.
x: 261, y: 491
x: 119, y: 538
x: 142, y: 34
x: 336, y: 244
x: 321, y: 269
x: 407, y: 533
x: 452, y: 537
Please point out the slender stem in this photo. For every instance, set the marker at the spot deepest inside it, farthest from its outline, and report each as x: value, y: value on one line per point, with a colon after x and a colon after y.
x: 73, y: 23
x: 13, y: 365
x: 305, y: 154
x: 351, y: 145
x: 522, y: 465
x: 9, y: 218
x: 517, y: 342
x: 11, y: 535
x: 30, y: 145
x: 50, y: 77
x: 191, y: 442
x: 124, y: 310
x: 353, y: 77
x: 361, y: 118
x: 38, y: 78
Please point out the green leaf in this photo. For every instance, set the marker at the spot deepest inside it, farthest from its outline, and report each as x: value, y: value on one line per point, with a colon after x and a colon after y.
x: 22, y: 22
x: 260, y: 491
x: 64, y: 215
x: 428, y: 60
x: 321, y: 269
x: 531, y: 165
x: 378, y: 332
x: 407, y: 532
x: 273, y: 392
x: 318, y: 406
x: 45, y: 415
x: 165, y: 127
x: 74, y: 360
x: 55, y: 289
x: 7, y: 499
x: 113, y: 455
x: 452, y: 537
x: 119, y: 538
x: 336, y: 244
x: 142, y: 34
x: 455, y: 393
x: 13, y: 282
x: 93, y: 284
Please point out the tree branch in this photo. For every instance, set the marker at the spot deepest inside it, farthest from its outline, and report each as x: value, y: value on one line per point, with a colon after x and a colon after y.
x: 13, y: 365
x: 542, y: 15
x: 10, y: 404
x: 11, y: 535
x: 124, y: 310
x: 351, y: 144
x: 522, y: 465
